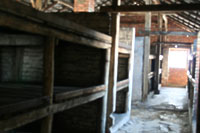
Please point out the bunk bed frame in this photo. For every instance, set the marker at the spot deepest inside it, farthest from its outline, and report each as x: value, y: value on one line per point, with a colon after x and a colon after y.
x: 53, y: 99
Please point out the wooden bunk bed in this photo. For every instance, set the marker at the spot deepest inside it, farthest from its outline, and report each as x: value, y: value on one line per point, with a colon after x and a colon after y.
x: 36, y: 101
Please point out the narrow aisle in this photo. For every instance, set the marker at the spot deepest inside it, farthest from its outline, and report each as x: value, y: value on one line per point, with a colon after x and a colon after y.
x: 163, y: 113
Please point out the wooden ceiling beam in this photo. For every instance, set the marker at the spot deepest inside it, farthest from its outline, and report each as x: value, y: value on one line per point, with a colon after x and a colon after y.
x: 169, y: 33
x: 173, y: 43
x: 152, y: 8
x: 179, y: 21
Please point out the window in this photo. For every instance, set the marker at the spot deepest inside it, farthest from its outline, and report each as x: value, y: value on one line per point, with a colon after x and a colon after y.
x: 177, y: 59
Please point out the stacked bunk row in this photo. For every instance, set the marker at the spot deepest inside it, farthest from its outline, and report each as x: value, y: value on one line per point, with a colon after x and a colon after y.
x: 121, y: 108
x: 54, y: 72
x: 151, y: 75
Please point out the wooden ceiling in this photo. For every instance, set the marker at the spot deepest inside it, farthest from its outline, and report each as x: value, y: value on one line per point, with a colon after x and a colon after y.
x: 191, y: 19
x: 50, y: 5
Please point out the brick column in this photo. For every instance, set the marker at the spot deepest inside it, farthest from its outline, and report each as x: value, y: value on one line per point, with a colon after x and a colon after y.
x: 84, y: 5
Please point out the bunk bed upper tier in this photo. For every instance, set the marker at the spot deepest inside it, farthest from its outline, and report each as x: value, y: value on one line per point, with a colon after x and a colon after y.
x: 24, y: 18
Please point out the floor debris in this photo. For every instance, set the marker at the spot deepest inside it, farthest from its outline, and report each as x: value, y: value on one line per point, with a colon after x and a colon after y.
x: 163, y: 113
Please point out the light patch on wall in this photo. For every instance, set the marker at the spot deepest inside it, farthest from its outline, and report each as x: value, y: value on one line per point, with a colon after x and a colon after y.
x: 177, y: 59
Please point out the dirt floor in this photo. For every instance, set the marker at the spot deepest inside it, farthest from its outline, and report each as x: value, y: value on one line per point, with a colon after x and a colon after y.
x: 163, y: 113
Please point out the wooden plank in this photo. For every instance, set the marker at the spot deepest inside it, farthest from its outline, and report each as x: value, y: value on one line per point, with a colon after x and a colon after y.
x: 49, y: 53
x: 28, y: 26
x: 75, y: 93
x: 52, y: 20
x: 122, y: 84
x: 152, y: 8
x: 168, y: 33
x: 20, y: 40
x: 28, y: 117
x: 22, y: 119
x: 24, y: 105
x: 58, y: 107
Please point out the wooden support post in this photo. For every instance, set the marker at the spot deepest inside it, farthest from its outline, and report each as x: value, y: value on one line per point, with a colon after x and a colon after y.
x: 106, y: 80
x: 113, y: 70
x: 112, y: 85
x: 147, y: 41
x: 130, y: 75
x: 158, y: 52
x: 196, y: 89
x: 49, y: 49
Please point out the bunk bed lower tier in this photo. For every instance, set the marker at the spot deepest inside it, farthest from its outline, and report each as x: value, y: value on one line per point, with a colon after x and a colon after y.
x: 25, y: 102
x: 19, y: 97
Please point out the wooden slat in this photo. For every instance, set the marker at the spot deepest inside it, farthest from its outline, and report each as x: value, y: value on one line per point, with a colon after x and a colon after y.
x: 153, y: 8
x: 84, y: 91
x: 53, y: 20
x: 28, y: 26
x: 122, y: 84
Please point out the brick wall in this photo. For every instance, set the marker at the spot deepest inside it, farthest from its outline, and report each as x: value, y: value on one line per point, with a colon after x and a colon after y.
x: 121, y: 101
x: 84, y: 5
x: 82, y: 119
x: 126, y: 35
x: 138, y: 23
x: 176, y: 77
x: 21, y: 64
x: 78, y: 65
x: 97, y: 21
x: 122, y: 68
